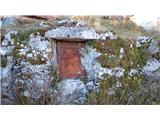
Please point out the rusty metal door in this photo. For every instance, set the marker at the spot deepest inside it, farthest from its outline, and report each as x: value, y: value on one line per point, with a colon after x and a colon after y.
x: 69, y: 60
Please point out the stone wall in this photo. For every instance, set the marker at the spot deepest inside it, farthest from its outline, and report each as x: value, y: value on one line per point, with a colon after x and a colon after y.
x: 29, y: 64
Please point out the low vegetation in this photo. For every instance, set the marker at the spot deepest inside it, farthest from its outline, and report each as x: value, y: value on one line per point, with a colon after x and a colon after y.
x: 136, y: 89
x: 133, y: 91
x: 37, y: 60
x: 3, y: 61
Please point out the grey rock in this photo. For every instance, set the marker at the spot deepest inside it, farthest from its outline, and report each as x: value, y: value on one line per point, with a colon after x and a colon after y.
x: 133, y: 72
x: 65, y: 22
x: 26, y: 93
x: 111, y: 91
x: 7, y: 21
x: 154, y: 47
x: 107, y: 35
x: 118, y: 72
x: 89, y: 62
x: 80, y: 24
x: 141, y: 40
x: 8, y: 38
x: 6, y: 101
x: 151, y: 66
x: 90, y: 85
x: 69, y: 91
x: 81, y: 100
x: 72, y: 32
x: 5, y: 51
x: 157, y: 74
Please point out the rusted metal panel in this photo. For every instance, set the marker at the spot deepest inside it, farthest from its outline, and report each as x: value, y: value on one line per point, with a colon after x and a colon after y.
x: 69, y: 60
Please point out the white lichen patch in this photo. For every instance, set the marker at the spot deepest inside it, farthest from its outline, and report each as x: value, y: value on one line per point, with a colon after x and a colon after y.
x: 151, y: 66
x: 5, y: 51
x: 121, y: 53
x: 117, y: 72
x: 106, y: 35
x: 141, y: 40
x: 133, y: 72
x: 89, y: 62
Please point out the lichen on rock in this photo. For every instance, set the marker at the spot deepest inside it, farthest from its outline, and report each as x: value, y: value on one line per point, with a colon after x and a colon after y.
x: 72, y: 91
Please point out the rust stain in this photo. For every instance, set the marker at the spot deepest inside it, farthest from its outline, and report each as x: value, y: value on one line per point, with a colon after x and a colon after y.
x: 69, y: 60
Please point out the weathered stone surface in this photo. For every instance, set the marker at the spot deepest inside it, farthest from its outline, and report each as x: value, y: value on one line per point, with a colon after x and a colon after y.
x: 83, y: 33
x: 5, y: 72
x: 154, y: 47
x: 33, y: 77
x: 151, y: 66
x: 72, y: 32
x: 133, y: 72
x: 10, y: 20
x: 5, y: 51
x: 94, y: 68
x: 65, y: 22
x: 26, y: 93
x: 6, y: 101
x: 88, y: 60
x: 71, y: 91
x: 106, y: 35
x: 141, y: 40
x: 91, y: 85
x: 117, y: 72
x: 69, y: 23
x: 7, y: 79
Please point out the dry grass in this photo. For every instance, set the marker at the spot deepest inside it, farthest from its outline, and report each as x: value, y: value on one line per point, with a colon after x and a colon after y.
x: 123, y: 26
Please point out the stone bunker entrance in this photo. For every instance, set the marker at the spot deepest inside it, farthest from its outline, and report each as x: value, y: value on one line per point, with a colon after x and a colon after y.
x: 69, y: 59
x: 69, y: 42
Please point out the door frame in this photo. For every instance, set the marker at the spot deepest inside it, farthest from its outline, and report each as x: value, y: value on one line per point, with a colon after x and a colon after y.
x: 57, y: 53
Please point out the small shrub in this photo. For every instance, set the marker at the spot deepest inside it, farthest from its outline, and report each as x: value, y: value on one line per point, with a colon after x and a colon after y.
x: 23, y: 35
x: 3, y: 61
x: 37, y: 60
x: 110, y: 50
x: 16, y: 49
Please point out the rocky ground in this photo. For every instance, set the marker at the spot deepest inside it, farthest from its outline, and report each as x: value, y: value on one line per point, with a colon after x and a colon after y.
x: 122, y: 62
